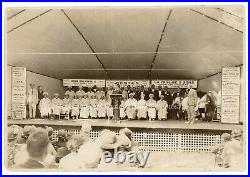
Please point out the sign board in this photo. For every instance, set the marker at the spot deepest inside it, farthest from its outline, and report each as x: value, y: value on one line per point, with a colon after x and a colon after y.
x: 230, y: 99
x: 124, y: 83
x: 18, y: 92
x: 83, y: 82
x: 175, y: 83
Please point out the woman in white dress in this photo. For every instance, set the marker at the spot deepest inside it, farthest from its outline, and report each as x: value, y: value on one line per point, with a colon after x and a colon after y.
x: 45, y: 106
x: 130, y: 107
x: 122, y: 108
x: 80, y: 92
x: 84, y: 107
x: 56, y: 104
x: 101, y: 107
x: 142, y: 108
x: 162, y: 107
x: 151, y: 104
x: 75, y: 107
x: 93, y: 107
x: 65, y: 108
x: 109, y: 109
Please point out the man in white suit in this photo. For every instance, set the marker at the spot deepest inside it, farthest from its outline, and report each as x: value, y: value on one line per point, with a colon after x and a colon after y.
x: 192, y: 102
x: 32, y: 100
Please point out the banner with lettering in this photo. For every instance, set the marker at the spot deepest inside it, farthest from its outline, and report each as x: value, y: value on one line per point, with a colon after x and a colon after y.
x: 83, y: 82
x: 124, y: 83
x: 175, y: 83
x: 18, y: 94
x: 230, y: 99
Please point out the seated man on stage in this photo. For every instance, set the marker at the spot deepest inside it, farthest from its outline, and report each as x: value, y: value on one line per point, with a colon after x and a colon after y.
x: 93, y: 107
x: 45, y: 106
x: 75, y: 107
x: 84, y: 106
x: 176, y: 108
x: 162, y: 107
x: 65, y: 108
x: 56, y: 104
x: 151, y: 104
x: 122, y: 107
x: 101, y: 107
x: 142, y: 108
x: 130, y: 107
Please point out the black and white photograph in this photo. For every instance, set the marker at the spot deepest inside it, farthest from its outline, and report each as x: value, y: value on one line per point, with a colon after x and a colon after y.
x: 125, y: 88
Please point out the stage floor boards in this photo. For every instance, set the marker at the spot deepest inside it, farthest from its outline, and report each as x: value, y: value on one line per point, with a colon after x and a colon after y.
x: 169, y: 124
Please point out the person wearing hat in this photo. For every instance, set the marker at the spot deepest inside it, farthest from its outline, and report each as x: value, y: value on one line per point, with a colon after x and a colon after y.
x: 56, y: 104
x: 130, y: 107
x: 93, y: 107
x: 27, y: 130
x: 151, y: 105
x: 45, y: 106
x: 37, y: 150
x: 75, y: 106
x: 122, y: 112
x: 70, y: 92
x: 32, y: 100
x: 101, y: 107
x: 162, y: 107
x: 65, y: 108
x: 80, y: 92
x: 142, y: 108
x: 84, y: 106
x: 192, y: 102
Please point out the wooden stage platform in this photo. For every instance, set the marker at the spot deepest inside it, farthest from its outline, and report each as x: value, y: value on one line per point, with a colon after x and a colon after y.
x: 177, y: 125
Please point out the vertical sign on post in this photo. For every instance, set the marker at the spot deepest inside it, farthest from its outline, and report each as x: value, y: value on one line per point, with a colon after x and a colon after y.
x: 230, y: 99
x: 18, y: 92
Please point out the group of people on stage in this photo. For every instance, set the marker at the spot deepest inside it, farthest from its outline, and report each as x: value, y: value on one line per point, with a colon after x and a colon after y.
x: 35, y: 148
x: 135, y: 103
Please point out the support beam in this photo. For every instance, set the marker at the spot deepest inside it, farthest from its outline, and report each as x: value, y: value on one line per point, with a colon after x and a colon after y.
x: 15, y: 14
x: 157, y: 48
x: 82, y: 36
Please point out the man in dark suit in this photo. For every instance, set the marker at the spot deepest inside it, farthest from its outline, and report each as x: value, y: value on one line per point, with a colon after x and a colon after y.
x: 177, y: 93
x: 37, y: 148
x: 153, y: 91
x: 141, y: 91
x: 167, y: 96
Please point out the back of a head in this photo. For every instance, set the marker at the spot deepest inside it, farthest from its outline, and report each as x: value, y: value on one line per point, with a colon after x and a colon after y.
x: 37, y: 143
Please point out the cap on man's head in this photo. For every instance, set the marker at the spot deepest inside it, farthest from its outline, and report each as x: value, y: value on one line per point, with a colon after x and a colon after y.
x: 37, y: 143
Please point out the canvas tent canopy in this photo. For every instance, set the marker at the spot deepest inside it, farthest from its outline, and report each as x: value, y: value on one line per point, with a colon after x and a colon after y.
x: 125, y: 42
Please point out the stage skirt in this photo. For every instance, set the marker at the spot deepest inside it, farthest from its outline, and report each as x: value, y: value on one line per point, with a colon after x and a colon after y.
x: 93, y: 112
x: 162, y: 113
x: 110, y: 112
x: 75, y: 111
x: 56, y: 109
x: 84, y: 112
x: 122, y: 112
x: 151, y: 113
x: 101, y: 111
x: 131, y: 112
x: 142, y: 112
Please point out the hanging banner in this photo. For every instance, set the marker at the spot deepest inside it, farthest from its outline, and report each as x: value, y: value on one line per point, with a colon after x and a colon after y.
x: 124, y: 83
x: 230, y: 99
x: 175, y: 83
x: 18, y: 92
x: 231, y: 81
x: 83, y: 82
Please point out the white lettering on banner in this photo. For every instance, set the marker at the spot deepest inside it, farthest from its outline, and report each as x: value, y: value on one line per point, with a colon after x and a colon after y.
x: 175, y: 83
x: 83, y: 82
x: 230, y: 99
x: 18, y: 93
x: 124, y: 83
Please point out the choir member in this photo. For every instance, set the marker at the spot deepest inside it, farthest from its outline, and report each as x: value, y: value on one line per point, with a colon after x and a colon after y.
x: 70, y: 92
x: 40, y: 90
x: 122, y: 107
x: 32, y: 100
x: 56, y: 104
x: 101, y: 107
x: 159, y: 92
x: 176, y: 107
x: 45, y: 106
x: 124, y: 93
x: 142, y: 108
x: 152, y: 90
x: 184, y: 107
x: 109, y: 109
x: 80, y: 92
x: 93, y: 107
x: 162, y: 107
x: 75, y: 104
x: 168, y: 96
x: 84, y: 106
x: 130, y: 107
x: 65, y: 108
x: 151, y: 104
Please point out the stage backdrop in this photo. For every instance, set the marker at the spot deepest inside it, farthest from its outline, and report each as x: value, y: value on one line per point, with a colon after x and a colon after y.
x: 124, y: 83
x: 83, y: 82
x: 175, y: 83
